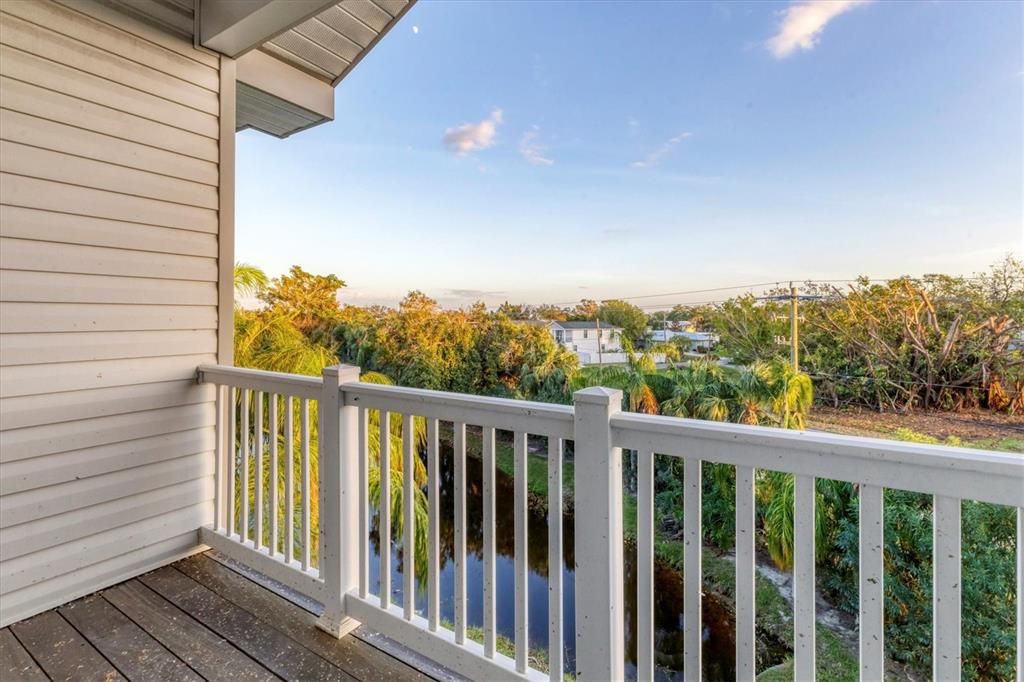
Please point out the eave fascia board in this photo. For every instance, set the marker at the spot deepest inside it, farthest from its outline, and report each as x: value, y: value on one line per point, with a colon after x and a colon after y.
x: 234, y: 27
x: 272, y: 76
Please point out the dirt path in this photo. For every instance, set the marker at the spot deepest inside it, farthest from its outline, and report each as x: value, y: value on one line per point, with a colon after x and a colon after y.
x: 969, y: 426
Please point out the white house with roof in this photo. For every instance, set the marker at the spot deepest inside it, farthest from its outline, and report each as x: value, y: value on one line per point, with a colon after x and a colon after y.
x: 589, y: 340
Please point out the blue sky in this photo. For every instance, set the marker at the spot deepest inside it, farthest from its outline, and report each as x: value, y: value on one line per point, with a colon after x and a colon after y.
x: 552, y: 151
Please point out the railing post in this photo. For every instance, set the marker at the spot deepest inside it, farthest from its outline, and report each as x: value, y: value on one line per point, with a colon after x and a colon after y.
x: 598, y: 520
x: 339, y: 499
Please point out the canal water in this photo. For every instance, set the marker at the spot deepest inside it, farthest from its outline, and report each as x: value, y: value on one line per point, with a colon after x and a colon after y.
x: 718, y: 632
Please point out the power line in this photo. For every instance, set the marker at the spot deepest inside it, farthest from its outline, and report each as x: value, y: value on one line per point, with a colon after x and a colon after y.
x: 701, y: 291
x: 777, y: 283
x: 680, y: 293
x: 660, y: 306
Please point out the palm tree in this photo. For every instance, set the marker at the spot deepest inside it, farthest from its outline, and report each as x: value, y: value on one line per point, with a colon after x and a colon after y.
x: 637, y: 379
x: 249, y: 280
x: 699, y: 391
x: 792, y: 394
x: 753, y: 394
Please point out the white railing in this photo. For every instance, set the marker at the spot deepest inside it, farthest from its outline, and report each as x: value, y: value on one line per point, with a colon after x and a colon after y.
x: 254, y: 440
x: 264, y: 447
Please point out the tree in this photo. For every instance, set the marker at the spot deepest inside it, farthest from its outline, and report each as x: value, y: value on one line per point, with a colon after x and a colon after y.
x: 551, y: 312
x: 310, y: 301
x: 748, y: 329
x: 637, y: 379
x: 586, y: 309
x: 249, y: 280
x: 936, y: 342
x: 619, y: 313
x: 516, y: 311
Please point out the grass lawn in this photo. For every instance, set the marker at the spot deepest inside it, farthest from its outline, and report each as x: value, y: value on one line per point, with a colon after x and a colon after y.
x: 536, y: 465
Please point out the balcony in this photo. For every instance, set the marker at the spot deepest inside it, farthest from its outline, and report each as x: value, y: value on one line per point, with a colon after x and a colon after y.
x: 321, y: 533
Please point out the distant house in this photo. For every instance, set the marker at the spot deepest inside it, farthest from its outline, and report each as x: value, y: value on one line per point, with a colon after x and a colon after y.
x: 697, y: 342
x: 586, y: 339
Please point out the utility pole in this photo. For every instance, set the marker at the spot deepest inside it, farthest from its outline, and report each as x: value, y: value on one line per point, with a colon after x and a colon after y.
x: 794, y: 323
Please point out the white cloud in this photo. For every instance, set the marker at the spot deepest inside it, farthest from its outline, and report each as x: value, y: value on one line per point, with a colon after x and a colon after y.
x: 415, y: 29
x: 532, y: 150
x: 654, y: 157
x: 472, y: 137
x: 803, y: 22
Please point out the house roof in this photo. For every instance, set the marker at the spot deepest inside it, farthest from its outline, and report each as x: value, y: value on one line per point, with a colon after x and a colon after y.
x: 586, y: 324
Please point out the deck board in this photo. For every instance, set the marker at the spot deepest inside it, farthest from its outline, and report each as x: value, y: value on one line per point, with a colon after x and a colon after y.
x: 16, y: 665
x: 123, y: 643
x: 270, y: 647
x: 355, y: 657
x: 61, y: 652
x: 210, y: 655
x: 193, y: 620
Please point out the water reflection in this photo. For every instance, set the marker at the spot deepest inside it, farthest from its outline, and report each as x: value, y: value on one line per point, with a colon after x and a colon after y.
x: 718, y: 625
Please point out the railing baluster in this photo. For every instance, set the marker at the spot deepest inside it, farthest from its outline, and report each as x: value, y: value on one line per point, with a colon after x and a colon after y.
x: 522, y: 568
x: 692, y: 570
x: 746, y: 648
x: 645, y: 565
x: 273, y: 474
x: 1020, y: 594
x: 556, y: 636
x: 946, y: 589
x: 488, y: 548
x: 258, y: 477
x: 460, y: 531
x: 304, y: 443
x: 408, y: 518
x: 245, y: 465
x: 803, y: 579
x: 433, y: 527
x: 364, y: 502
x: 220, y: 454
x: 289, y: 480
x: 232, y: 455
x: 384, y: 510
x: 872, y: 594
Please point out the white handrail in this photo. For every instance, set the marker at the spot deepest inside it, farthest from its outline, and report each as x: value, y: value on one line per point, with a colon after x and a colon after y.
x: 967, y: 473
x: 294, y: 385
x: 501, y: 413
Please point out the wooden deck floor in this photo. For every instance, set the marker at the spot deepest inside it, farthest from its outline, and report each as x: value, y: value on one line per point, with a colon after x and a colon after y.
x: 193, y: 620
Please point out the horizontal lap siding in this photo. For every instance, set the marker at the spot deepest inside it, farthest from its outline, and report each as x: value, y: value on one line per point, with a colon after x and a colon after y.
x: 108, y: 298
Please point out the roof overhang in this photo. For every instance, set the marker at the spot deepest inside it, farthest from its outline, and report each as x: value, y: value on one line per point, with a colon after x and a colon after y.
x: 278, y: 99
x: 290, y: 53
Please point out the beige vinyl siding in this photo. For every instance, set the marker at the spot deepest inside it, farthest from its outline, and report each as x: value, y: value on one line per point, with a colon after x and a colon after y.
x: 109, y: 216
